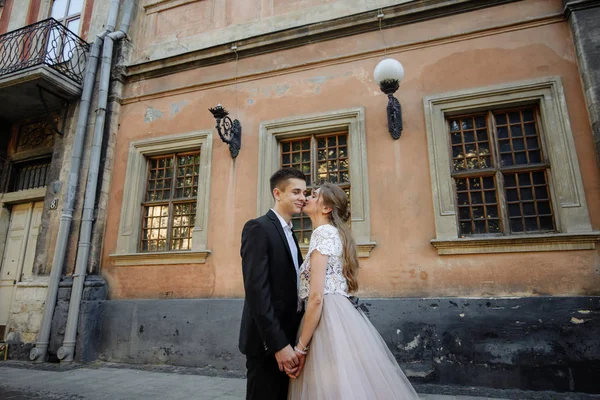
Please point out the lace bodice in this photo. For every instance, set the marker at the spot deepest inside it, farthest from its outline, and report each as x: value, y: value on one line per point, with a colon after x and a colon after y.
x: 326, y: 240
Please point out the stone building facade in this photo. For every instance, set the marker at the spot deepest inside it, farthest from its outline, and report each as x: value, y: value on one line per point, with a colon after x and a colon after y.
x: 45, y: 157
x: 477, y: 228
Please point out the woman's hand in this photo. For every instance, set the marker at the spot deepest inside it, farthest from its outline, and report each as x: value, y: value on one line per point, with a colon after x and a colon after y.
x: 298, y: 369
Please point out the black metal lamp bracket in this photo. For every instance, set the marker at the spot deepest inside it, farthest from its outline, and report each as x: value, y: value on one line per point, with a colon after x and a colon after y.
x: 394, y: 110
x: 229, y: 131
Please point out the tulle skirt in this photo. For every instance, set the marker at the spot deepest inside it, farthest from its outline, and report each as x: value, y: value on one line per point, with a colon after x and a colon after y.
x: 348, y: 359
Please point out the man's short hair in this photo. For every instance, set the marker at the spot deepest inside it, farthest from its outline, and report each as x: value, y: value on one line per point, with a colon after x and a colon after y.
x: 280, y: 177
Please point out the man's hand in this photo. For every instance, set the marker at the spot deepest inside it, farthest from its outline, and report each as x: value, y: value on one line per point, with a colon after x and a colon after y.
x: 287, y: 359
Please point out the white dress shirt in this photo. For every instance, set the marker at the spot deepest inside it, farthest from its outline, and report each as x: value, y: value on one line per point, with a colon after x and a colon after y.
x: 287, y: 229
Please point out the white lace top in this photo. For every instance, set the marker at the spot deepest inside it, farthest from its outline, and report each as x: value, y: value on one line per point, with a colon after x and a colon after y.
x: 327, y: 241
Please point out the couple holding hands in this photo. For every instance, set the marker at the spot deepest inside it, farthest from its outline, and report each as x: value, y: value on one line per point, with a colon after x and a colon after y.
x: 302, y: 336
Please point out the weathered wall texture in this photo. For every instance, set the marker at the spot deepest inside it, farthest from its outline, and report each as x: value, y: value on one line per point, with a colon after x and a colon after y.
x: 583, y: 17
x: 478, y: 49
x: 28, y: 302
x: 539, y: 343
x: 26, y: 310
x: 170, y: 28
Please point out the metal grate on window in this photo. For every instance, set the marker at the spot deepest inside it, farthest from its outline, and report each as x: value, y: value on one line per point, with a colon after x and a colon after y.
x: 477, y: 205
x: 518, y: 137
x: 528, y: 200
x: 169, y: 207
x: 29, y: 175
x: 322, y: 158
x: 500, y: 173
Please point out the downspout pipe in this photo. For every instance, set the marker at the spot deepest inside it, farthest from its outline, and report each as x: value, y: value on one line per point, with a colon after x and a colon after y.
x: 66, y: 352
x: 113, y: 13
x: 40, y: 352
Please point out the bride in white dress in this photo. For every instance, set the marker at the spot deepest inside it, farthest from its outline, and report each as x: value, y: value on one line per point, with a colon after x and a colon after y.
x: 342, y: 356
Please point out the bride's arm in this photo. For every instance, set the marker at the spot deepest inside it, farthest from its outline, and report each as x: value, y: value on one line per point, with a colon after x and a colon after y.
x: 312, y: 315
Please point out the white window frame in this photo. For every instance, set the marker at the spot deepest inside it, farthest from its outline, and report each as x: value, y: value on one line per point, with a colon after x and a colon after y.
x: 66, y: 18
x: 352, y: 120
x: 128, y: 240
x: 565, y: 183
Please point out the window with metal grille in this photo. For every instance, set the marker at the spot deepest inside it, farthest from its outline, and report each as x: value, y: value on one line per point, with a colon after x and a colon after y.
x: 29, y: 174
x: 322, y: 158
x: 169, y: 206
x: 500, y: 173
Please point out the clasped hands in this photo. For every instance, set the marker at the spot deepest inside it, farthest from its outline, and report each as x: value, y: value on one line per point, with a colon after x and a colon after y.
x: 291, y: 362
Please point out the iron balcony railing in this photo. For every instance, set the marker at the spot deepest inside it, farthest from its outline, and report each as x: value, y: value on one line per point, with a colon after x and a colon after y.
x: 46, y: 42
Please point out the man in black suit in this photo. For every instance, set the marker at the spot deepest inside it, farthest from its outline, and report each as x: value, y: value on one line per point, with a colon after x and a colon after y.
x: 270, y: 260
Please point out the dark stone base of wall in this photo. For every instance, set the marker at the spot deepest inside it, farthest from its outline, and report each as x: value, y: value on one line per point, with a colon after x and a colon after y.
x: 92, y: 301
x: 537, y: 343
x: 93, y: 298
x: 18, y: 350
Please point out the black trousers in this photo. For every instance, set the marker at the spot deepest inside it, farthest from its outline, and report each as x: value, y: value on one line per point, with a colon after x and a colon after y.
x: 265, y: 380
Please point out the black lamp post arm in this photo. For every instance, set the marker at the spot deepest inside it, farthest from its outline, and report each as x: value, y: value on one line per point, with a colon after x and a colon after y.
x: 394, y: 114
x: 394, y: 110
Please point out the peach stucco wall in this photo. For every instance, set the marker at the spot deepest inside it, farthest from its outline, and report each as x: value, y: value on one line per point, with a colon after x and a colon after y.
x: 448, y: 54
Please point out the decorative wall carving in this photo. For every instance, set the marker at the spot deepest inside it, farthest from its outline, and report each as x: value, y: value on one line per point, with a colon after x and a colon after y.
x: 36, y: 135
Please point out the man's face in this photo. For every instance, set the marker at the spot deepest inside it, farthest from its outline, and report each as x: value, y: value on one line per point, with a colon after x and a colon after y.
x: 291, y: 198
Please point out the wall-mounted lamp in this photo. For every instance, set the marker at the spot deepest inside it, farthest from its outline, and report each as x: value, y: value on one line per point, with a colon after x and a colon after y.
x: 229, y: 131
x: 388, y: 74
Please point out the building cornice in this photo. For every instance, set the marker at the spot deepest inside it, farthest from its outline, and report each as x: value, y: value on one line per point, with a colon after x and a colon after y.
x: 324, y: 62
x: 401, y: 14
x: 571, y: 6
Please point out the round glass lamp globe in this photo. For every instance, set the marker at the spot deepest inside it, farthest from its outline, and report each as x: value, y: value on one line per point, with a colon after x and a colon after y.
x: 389, y: 69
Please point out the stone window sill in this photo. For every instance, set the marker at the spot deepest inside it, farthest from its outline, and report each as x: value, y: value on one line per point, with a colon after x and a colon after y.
x: 160, y: 258
x: 515, y: 244
x: 363, y: 249
x: 23, y: 195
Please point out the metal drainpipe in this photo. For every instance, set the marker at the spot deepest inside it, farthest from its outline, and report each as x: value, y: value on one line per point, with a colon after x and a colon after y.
x: 66, y: 352
x: 39, y: 352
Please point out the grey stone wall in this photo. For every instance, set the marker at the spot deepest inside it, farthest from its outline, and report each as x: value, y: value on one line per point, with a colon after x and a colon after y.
x: 88, y: 335
x: 538, y: 343
x: 583, y: 18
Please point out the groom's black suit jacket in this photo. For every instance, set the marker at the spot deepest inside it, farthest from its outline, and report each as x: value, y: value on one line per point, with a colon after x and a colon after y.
x: 270, y: 319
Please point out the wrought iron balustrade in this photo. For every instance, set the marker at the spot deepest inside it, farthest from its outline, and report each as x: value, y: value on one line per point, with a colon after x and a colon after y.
x: 46, y: 42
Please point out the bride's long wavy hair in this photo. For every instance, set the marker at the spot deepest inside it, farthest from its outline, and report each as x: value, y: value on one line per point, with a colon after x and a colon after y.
x: 335, y: 198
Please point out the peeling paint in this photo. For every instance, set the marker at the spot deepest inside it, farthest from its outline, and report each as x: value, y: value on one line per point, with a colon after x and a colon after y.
x: 462, y: 315
x: 584, y: 311
x: 414, y: 343
x: 250, y: 102
x: 320, y: 79
x: 281, y: 89
x: 419, y: 370
x: 176, y: 107
x: 577, y: 320
x: 152, y: 114
x: 398, y: 331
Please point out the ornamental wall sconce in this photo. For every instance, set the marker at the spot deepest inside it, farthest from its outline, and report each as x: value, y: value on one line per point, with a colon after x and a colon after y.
x: 229, y: 131
x: 388, y: 74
